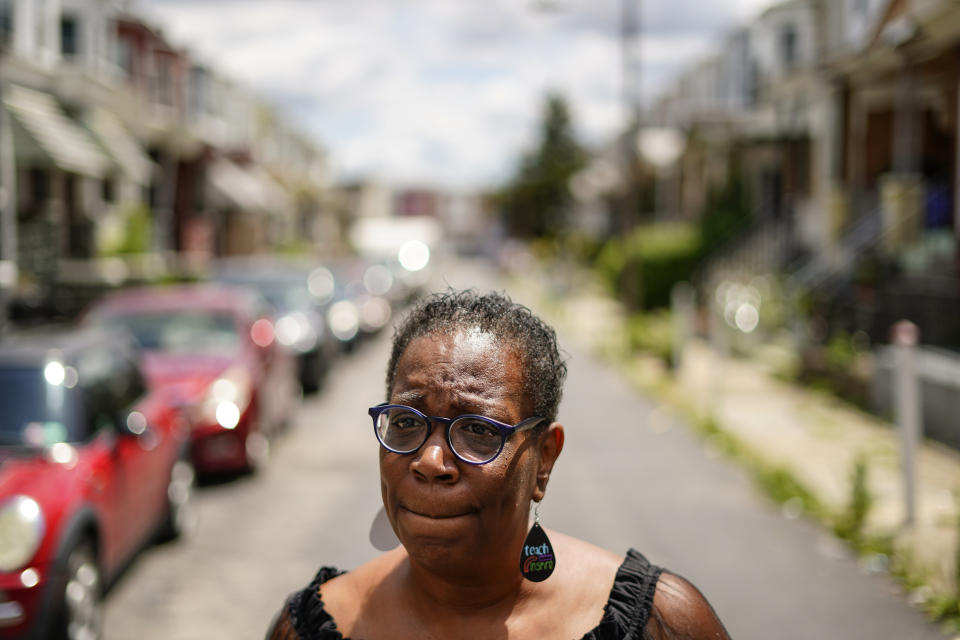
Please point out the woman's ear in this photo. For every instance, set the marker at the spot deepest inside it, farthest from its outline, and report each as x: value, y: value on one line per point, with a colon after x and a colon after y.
x: 551, y: 444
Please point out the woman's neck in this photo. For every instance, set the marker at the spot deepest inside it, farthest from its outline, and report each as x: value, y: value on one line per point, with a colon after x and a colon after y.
x: 487, y: 588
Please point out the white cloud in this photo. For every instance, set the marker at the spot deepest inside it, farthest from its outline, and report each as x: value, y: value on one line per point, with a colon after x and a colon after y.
x: 441, y: 91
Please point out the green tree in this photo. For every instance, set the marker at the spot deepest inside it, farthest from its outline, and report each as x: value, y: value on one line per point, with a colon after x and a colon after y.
x: 535, y: 202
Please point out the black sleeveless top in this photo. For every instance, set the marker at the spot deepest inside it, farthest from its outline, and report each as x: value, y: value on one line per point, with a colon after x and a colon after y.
x: 624, y: 616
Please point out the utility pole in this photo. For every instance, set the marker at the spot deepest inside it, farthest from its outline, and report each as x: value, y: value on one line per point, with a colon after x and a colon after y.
x: 630, y: 95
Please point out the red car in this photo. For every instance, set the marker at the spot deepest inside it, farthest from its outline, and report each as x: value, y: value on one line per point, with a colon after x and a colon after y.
x: 92, y: 465
x: 213, y: 347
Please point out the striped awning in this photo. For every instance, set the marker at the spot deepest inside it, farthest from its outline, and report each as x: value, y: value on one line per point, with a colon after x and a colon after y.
x: 248, y: 188
x: 43, y: 129
x: 127, y: 154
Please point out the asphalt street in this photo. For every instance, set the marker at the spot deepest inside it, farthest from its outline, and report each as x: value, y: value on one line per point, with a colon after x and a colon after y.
x: 629, y: 476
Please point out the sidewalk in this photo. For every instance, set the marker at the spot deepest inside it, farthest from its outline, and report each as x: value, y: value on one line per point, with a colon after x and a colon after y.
x: 815, y: 438
x: 818, y: 440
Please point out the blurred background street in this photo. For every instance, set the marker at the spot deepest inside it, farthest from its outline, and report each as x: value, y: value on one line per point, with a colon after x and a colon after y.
x: 630, y: 475
x: 742, y: 217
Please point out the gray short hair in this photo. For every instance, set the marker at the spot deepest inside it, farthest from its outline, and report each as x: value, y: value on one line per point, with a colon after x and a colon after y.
x: 544, y: 371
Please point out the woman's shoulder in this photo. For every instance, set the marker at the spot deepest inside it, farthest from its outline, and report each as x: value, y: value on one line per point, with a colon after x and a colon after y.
x: 644, y: 598
x: 329, y: 604
x: 303, y: 616
x: 345, y: 596
x: 681, y: 612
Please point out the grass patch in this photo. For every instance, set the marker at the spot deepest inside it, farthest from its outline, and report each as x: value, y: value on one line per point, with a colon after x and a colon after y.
x: 782, y: 486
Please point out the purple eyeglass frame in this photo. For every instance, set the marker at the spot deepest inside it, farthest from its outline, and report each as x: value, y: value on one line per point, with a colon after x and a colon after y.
x: 504, y: 429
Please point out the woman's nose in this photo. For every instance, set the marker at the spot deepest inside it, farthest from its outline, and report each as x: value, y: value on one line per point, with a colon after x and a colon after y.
x: 434, y: 461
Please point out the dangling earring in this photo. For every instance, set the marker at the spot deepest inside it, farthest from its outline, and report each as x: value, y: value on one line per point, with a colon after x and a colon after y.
x: 382, y: 536
x: 537, y: 560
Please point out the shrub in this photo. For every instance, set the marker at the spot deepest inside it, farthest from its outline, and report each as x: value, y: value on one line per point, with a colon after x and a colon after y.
x: 135, y: 233
x: 642, y: 268
x: 837, y: 367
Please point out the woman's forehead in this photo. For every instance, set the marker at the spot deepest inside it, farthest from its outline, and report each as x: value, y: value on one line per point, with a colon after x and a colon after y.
x: 469, y: 346
x: 475, y: 338
x: 465, y: 365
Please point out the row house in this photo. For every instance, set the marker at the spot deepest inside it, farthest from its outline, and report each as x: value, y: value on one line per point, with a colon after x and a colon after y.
x: 115, y: 142
x: 709, y: 103
x: 68, y: 161
x: 843, y: 117
x: 754, y: 99
x: 895, y: 71
x: 896, y: 95
x: 212, y: 196
x: 300, y: 168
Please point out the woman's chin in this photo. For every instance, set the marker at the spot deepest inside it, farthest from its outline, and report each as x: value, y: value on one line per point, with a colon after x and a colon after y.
x: 448, y: 541
x: 415, y: 527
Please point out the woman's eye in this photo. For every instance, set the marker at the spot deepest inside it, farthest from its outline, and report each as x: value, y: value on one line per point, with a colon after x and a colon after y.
x: 404, y: 422
x: 479, y: 429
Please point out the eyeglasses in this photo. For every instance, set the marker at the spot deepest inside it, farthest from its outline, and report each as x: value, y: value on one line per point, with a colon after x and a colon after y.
x: 473, y: 439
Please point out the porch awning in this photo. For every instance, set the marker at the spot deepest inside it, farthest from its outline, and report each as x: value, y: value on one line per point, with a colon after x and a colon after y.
x: 127, y: 154
x: 249, y: 189
x: 43, y: 129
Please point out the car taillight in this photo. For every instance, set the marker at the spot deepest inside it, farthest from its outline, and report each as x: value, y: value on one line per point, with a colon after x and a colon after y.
x: 262, y: 333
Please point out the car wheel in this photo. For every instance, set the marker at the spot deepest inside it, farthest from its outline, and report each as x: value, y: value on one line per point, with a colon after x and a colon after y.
x: 181, y: 517
x: 82, y: 595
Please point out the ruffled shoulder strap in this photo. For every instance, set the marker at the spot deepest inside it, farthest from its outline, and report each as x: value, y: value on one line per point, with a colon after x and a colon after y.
x: 307, y: 613
x: 631, y: 599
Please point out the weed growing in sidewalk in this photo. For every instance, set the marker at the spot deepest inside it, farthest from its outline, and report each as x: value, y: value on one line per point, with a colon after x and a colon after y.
x: 849, y: 525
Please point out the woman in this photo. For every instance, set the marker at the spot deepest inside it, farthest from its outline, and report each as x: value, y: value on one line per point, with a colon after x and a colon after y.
x: 468, y: 440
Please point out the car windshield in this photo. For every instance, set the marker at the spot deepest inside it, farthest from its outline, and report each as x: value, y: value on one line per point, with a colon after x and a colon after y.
x: 283, y: 294
x: 39, y: 409
x: 181, y: 330
x: 286, y: 296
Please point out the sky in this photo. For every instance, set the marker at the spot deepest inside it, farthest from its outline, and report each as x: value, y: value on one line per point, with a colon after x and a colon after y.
x: 446, y: 93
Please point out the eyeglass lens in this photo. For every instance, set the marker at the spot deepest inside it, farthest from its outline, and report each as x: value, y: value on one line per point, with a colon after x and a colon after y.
x: 473, y: 439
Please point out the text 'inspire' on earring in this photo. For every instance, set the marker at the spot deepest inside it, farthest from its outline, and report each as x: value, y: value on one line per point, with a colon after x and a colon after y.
x: 537, y: 560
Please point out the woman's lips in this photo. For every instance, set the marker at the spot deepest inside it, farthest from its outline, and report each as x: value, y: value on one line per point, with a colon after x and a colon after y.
x: 441, y: 515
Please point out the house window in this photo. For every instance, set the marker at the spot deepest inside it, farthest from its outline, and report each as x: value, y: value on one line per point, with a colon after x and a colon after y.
x: 40, y: 24
x: 108, y: 189
x: 164, y: 83
x: 6, y: 22
x: 125, y: 56
x: 69, y: 35
x: 33, y: 198
x: 788, y: 46
x: 198, y: 93
x: 753, y: 83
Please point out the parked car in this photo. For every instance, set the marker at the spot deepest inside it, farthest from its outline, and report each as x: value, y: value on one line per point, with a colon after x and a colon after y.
x: 364, y: 290
x: 214, y: 347
x: 93, y: 463
x: 300, y: 327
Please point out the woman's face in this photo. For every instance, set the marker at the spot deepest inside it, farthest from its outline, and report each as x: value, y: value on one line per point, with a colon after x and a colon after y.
x: 448, y: 513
